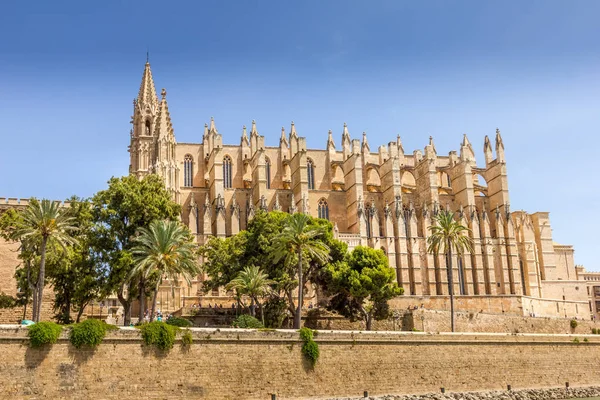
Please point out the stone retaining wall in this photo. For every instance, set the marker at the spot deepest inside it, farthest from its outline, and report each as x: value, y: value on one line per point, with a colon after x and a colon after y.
x: 247, y: 364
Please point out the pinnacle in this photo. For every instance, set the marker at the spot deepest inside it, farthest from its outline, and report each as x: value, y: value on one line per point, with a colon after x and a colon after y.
x: 147, y: 94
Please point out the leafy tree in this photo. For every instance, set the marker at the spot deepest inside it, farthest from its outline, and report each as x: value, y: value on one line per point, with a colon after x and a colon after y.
x: 255, y: 284
x: 127, y: 204
x: 77, y: 279
x: 41, y: 225
x: 299, y: 237
x: 448, y: 234
x: 362, y: 284
x: 165, y: 249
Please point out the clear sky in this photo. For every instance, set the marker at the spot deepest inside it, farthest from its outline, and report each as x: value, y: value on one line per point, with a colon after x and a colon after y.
x: 69, y: 71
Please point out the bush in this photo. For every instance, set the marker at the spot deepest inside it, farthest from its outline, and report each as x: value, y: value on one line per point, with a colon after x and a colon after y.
x: 573, y: 324
x: 576, y: 341
x: 180, y: 322
x: 275, y: 312
x: 89, y: 332
x: 246, y: 321
x: 159, y: 334
x: 310, y: 350
x: 306, y: 334
x: 585, y: 340
x: 43, y: 333
x: 187, y: 338
x: 594, y: 331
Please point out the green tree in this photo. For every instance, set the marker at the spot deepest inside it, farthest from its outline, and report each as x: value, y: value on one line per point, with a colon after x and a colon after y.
x: 42, y: 224
x: 127, y: 205
x: 166, y: 250
x: 447, y: 234
x: 362, y: 284
x: 297, y: 238
x: 255, y: 284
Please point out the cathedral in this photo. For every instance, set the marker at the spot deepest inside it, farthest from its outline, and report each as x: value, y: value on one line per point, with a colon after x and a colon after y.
x: 383, y: 197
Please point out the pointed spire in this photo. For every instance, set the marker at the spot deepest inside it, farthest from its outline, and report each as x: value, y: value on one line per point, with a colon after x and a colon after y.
x: 330, y: 142
x: 499, y: 147
x: 466, y: 150
x: 487, y: 151
x: 213, y: 127
x: 345, y: 132
x: 293, y: 207
x: 163, y: 127
x: 277, y: 205
x: 365, y: 143
x: 293, y: 130
x: 245, y: 140
x: 147, y: 94
x: 283, y: 138
x: 465, y: 141
x: 253, y: 130
x: 399, y: 144
x: 432, y: 144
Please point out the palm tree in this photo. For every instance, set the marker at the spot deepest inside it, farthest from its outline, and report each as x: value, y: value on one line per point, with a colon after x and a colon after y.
x: 43, y: 223
x: 448, y: 234
x: 298, y: 238
x: 166, y: 249
x: 254, y: 283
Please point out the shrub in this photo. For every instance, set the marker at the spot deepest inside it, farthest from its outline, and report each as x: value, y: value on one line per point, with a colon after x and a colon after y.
x: 159, y: 334
x: 89, y: 332
x: 43, y: 333
x: 187, y: 338
x: 306, y: 334
x: 594, y: 331
x: 573, y: 324
x: 246, y: 321
x: 275, y: 312
x: 310, y: 349
x: 180, y: 322
x: 576, y: 340
x: 585, y: 340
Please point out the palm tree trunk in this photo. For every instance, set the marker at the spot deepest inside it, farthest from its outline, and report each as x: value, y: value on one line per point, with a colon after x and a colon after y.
x: 41, y: 278
x: 154, y: 298
x: 450, y: 283
x: 298, y: 316
x: 142, y: 300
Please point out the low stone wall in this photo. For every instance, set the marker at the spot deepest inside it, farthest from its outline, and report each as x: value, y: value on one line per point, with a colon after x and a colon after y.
x: 246, y: 364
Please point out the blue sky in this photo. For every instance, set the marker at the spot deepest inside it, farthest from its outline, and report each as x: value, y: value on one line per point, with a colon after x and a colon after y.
x: 70, y: 70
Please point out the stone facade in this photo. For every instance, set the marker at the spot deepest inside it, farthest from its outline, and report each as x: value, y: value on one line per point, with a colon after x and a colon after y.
x: 246, y: 364
x: 384, y: 199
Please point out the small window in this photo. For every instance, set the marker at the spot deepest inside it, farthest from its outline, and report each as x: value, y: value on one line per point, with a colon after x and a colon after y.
x: 323, y: 209
x: 310, y: 170
x: 227, y: 172
x: 268, y: 172
x: 188, y: 171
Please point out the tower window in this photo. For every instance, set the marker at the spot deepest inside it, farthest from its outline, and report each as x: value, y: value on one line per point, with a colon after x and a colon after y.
x: 310, y: 170
x: 188, y: 171
x: 323, y: 209
x: 227, y: 172
x: 268, y: 172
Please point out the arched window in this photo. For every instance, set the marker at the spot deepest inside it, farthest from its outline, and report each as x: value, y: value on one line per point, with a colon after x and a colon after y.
x: 227, y: 172
x: 310, y: 171
x: 188, y: 171
x: 323, y: 209
x: 268, y: 172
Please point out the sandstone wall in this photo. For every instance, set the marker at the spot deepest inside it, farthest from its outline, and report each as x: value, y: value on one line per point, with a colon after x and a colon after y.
x: 236, y: 364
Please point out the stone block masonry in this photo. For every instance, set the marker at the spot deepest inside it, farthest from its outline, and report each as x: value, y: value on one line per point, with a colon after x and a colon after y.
x: 246, y: 364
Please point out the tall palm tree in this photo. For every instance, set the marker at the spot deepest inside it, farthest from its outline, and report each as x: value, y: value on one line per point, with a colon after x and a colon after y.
x: 45, y: 223
x: 254, y: 283
x: 166, y: 249
x: 297, y: 239
x: 447, y: 234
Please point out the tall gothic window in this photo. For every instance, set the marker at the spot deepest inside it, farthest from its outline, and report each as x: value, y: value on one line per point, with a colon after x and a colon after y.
x: 323, y: 209
x: 227, y: 172
x: 368, y: 219
x: 310, y: 170
x: 188, y: 171
x: 268, y: 172
x: 461, y: 277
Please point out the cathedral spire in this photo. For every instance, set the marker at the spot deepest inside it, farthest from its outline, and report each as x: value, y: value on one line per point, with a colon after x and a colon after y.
x: 283, y: 138
x: 245, y: 140
x: 499, y: 147
x: 487, y: 151
x: 147, y: 94
x: 213, y: 127
x: 365, y: 143
x: 330, y: 142
x: 293, y: 131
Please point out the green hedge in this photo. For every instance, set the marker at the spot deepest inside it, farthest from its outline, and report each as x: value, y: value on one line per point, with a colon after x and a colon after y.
x: 180, y: 322
x: 246, y: 321
x: 43, y: 333
x: 90, y: 332
x: 159, y: 334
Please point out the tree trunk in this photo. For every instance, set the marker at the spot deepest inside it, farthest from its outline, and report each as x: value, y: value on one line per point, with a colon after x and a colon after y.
x: 298, y: 316
x: 126, y: 303
x: 79, y: 314
x: 41, y: 278
x: 252, y: 308
x: 142, y: 300
x: 262, y: 312
x: 450, y: 283
x: 369, y: 322
x: 25, y: 308
x: 154, y: 298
